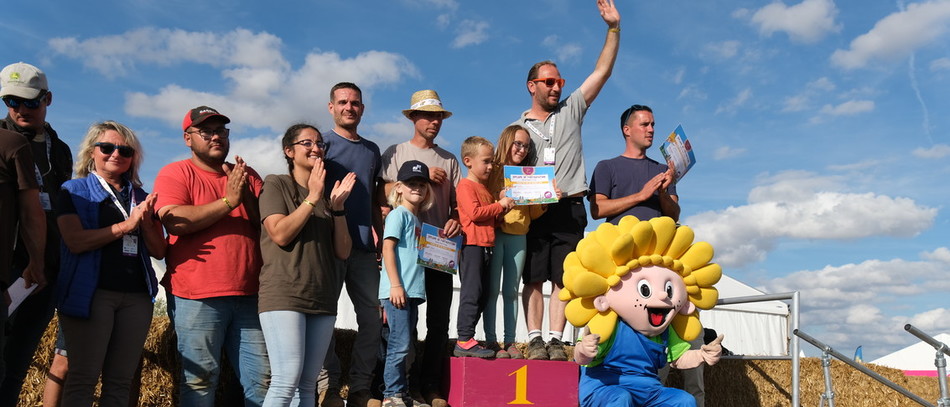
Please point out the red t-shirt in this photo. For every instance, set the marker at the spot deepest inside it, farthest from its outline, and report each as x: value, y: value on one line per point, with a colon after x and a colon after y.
x: 220, y: 260
x: 478, y: 213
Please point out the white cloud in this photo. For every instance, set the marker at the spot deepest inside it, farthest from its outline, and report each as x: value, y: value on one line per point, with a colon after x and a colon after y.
x: 726, y: 152
x: 803, y: 205
x: 692, y: 92
x: 732, y: 105
x: 897, y: 35
x: 440, y: 4
x: 443, y: 20
x: 470, y: 32
x: 721, y: 50
x: 385, y: 134
x: 807, y: 22
x: 940, y: 254
x: 262, y: 153
x: 803, y: 100
x: 849, y: 108
x: 935, y: 152
x: 858, y: 166
x: 569, y: 51
x: 678, y: 75
x: 940, y: 64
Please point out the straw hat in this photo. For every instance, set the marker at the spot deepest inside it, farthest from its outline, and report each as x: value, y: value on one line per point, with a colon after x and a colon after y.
x: 426, y: 101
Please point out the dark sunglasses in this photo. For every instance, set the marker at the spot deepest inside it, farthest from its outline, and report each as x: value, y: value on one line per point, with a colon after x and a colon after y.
x: 15, y: 102
x: 549, y: 82
x: 109, y: 148
x: 311, y: 143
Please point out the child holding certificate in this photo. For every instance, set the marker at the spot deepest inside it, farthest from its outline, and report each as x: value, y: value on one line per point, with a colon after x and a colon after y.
x: 507, y: 263
x: 479, y: 213
x: 402, y: 280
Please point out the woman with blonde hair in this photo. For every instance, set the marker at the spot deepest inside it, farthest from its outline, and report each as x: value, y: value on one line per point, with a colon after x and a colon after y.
x: 106, y: 284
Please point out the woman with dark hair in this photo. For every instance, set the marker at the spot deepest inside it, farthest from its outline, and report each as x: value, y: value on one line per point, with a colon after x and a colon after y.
x: 106, y: 284
x: 303, y: 234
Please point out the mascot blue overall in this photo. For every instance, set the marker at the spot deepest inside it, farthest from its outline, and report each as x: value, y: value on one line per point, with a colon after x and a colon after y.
x: 637, y: 286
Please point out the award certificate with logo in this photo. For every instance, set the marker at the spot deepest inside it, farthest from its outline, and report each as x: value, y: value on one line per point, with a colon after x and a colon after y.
x: 530, y: 185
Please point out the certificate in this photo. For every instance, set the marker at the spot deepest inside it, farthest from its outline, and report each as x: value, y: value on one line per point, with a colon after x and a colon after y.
x: 437, y: 251
x: 530, y: 185
x: 678, y: 153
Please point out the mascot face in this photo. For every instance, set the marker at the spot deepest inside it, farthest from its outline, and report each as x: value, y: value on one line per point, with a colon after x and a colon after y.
x: 647, y: 299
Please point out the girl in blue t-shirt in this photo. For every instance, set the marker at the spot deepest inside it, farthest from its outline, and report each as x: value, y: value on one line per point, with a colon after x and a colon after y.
x: 402, y: 280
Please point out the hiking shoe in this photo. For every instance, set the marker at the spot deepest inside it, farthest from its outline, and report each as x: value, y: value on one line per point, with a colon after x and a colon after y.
x: 513, y: 352
x: 331, y: 398
x: 500, y: 353
x: 556, y: 350
x: 395, y: 401
x: 435, y: 399
x: 474, y: 350
x: 537, y: 350
x: 361, y: 398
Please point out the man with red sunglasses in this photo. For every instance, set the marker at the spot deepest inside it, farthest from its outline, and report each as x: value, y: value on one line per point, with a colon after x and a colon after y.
x: 555, y: 129
x: 25, y: 92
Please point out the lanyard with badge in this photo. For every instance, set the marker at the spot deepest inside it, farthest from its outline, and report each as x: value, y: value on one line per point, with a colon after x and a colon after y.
x: 547, y: 155
x: 44, y: 196
x: 130, y: 242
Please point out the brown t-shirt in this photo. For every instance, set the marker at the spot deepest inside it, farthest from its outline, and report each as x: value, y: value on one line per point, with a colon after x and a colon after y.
x: 301, y: 276
x: 16, y: 174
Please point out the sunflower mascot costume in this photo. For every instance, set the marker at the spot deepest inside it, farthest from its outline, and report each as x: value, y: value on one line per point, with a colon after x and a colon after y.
x: 637, y: 286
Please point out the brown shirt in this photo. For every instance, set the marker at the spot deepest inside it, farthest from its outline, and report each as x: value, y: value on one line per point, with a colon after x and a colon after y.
x: 300, y: 276
x: 16, y: 174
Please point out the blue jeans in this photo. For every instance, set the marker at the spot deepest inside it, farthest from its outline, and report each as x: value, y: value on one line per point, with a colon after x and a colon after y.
x: 402, y: 326
x: 507, y: 264
x: 207, y: 326
x: 296, y: 345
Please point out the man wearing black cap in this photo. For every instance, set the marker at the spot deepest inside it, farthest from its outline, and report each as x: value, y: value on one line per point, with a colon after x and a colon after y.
x: 25, y: 91
x: 209, y: 208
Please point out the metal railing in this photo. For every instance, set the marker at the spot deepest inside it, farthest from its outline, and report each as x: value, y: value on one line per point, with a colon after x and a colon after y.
x: 939, y: 361
x: 828, y: 351
x: 793, y: 347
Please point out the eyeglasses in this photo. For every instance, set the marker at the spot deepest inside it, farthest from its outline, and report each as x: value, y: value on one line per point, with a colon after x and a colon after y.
x: 208, y: 134
x: 549, y: 82
x: 519, y: 145
x: 109, y: 148
x: 310, y: 143
x: 15, y: 102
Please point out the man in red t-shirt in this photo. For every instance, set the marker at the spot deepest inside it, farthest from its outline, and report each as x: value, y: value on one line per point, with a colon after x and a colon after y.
x: 209, y: 208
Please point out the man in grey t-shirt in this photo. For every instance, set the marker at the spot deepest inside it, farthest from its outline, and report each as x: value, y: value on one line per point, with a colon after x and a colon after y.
x: 555, y: 129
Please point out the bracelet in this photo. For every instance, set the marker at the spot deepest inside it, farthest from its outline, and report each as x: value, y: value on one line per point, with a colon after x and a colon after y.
x: 395, y: 286
x: 614, y: 30
x: 341, y: 212
x: 227, y: 202
x: 309, y: 203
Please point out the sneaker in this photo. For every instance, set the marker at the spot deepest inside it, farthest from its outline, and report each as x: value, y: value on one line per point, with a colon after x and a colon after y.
x: 361, y: 398
x: 476, y: 350
x: 435, y: 399
x: 395, y: 401
x: 537, y: 350
x: 410, y: 401
x: 556, y: 350
x: 500, y: 353
x: 513, y: 352
x: 331, y: 398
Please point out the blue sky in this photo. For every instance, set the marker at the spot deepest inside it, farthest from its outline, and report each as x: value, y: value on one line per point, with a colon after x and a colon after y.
x: 820, y: 127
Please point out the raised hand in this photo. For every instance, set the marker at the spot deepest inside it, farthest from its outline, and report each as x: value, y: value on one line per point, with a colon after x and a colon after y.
x: 341, y: 190
x: 585, y: 351
x: 237, y: 179
x: 317, y: 181
x: 712, y: 351
x: 608, y: 11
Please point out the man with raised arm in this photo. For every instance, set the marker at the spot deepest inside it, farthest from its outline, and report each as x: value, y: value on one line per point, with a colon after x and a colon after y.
x: 555, y: 129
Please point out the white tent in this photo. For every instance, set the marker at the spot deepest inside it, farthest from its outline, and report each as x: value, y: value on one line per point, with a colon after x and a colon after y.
x: 755, y: 328
x: 752, y: 329
x: 915, y: 360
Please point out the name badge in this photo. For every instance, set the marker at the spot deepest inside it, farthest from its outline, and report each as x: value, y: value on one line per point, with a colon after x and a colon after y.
x: 45, y: 202
x: 130, y: 245
x: 549, y: 156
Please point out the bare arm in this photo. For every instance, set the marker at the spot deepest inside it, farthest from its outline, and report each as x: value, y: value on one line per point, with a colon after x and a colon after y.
x: 608, y: 55
x: 397, y: 293
x: 376, y: 208
x: 33, y: 235
x: 185, y: 219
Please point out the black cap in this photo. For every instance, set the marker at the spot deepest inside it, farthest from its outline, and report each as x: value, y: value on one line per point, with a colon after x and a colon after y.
x: 196, y: 116
x: 413, y: 169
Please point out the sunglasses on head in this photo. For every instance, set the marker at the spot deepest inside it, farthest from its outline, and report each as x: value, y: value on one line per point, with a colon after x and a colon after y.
x: 109, y: 148
x: 15, y: 102
x: 549, y: 82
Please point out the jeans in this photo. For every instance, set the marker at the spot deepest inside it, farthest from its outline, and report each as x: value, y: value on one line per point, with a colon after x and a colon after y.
x: 296, y: 345
x: 402, y: 325
x: 207, y: 326
x: 507, y: 263
x: 109, y: 343
x: 361, y: 275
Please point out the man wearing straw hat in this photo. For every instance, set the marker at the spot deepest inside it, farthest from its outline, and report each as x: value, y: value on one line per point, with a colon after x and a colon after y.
x: 555, y: 129
x: 426, y: 112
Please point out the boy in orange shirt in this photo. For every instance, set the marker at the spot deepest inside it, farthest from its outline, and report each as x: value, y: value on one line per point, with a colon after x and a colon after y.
x: 478, y: 214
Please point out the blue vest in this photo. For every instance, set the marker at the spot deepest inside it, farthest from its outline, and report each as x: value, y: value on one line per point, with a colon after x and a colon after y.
x: 79, y: 272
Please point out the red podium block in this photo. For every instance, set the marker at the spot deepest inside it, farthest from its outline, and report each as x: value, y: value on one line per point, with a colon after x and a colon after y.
x: 475, y: 382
